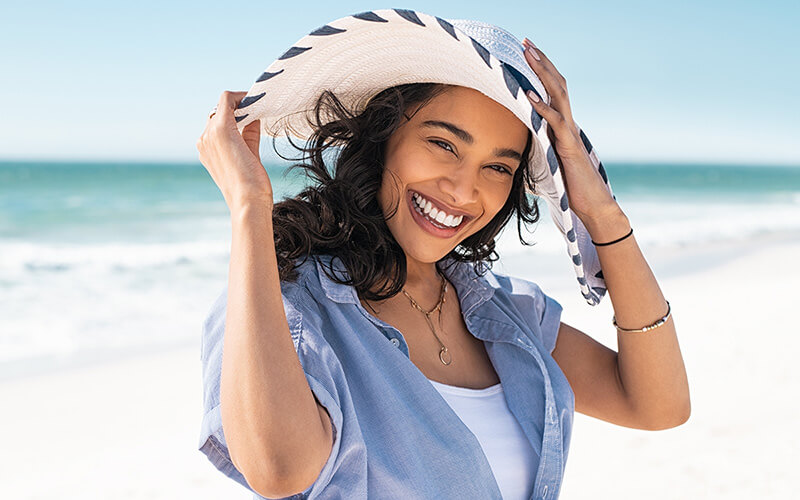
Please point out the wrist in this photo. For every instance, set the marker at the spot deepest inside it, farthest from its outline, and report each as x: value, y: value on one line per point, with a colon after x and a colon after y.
x: 607, y: 227
x: 249, y: 209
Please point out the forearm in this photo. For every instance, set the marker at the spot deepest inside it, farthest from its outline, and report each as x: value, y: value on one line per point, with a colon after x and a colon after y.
x: 650, y: 364
x: 271, y: 419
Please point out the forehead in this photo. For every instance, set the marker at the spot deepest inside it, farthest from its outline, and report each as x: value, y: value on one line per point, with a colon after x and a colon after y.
x: 455, y: 98
x: 471, y: 110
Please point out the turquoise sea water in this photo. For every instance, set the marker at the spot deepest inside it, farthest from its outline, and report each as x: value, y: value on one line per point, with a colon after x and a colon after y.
x: 98, y: 257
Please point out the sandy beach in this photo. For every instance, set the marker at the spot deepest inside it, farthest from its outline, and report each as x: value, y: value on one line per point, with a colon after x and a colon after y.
x: 119, y: 196
x: 128, y: 428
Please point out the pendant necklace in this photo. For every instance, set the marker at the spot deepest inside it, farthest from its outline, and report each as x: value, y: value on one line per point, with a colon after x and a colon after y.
x: 444, y: 355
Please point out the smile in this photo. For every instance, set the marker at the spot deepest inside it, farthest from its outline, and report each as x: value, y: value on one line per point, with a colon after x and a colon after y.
x: 432, y: 220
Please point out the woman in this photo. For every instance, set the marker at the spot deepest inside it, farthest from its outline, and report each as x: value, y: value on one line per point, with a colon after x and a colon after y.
x: 364, y: 355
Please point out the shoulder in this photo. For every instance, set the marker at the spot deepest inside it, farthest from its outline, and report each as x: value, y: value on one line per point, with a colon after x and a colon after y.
x: 518, y: 290
x: 530, y: 302
x: 512, y: 285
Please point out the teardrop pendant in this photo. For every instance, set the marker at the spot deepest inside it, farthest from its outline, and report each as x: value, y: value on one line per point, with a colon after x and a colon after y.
x: 443, y: 352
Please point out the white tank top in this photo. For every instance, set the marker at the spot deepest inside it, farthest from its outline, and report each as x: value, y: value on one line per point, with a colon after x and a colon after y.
x: 485, y: 412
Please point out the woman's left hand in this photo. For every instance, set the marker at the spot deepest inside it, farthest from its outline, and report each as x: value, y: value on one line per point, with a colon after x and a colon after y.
x: 587, y: 193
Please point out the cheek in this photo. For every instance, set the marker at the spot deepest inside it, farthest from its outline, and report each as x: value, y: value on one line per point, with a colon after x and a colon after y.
x: 500, y: 197
x: 494, y: 202
x: 398, y: 174
x: 389, y: 193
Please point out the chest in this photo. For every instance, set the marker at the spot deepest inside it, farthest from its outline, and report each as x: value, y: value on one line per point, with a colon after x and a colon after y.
x: 469, y: 366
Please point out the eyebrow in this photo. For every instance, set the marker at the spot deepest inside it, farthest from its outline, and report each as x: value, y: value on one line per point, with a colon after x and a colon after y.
x: 467, y: 137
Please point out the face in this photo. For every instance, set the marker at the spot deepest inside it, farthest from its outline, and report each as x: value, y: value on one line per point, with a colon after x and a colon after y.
x: 457, y: 157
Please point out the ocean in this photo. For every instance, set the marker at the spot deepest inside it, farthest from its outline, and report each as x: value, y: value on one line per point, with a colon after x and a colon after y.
x: 109, y: 259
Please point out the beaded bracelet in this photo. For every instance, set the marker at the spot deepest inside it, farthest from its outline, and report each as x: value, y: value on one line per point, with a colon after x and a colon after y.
x: 649, y: 327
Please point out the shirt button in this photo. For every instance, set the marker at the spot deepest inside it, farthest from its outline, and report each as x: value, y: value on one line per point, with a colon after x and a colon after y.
x: 395, y: 342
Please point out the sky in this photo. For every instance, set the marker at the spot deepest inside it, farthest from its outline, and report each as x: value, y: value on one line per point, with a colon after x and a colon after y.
x: 679, y: 81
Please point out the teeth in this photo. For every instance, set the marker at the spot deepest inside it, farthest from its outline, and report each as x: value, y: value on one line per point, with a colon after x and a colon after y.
x: 435, y: 214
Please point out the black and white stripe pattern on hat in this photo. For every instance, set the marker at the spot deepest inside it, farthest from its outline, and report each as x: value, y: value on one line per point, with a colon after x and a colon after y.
x: 400, y: 43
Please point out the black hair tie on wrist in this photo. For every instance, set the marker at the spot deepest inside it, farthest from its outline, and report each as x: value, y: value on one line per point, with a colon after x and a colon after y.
x: 612, y: 242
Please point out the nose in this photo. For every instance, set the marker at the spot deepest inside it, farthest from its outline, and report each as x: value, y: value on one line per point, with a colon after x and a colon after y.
x: 461, y: 185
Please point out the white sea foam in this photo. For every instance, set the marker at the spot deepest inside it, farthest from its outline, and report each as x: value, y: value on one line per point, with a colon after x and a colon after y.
x: 682, y: 224
x: 59, y: 300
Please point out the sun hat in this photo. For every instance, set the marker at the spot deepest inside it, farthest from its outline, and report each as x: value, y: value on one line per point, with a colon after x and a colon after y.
x: 360, y: 55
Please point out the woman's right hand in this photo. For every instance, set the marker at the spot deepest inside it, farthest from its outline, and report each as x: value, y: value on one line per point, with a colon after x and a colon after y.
x: 232, y: 158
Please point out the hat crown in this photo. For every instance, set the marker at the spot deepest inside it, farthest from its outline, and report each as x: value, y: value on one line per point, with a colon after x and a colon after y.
x: 360, y: 55
x: 501, y: 44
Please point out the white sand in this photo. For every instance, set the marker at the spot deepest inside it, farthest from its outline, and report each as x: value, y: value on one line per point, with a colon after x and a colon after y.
x: 738, y: 333
x: 129, y: 429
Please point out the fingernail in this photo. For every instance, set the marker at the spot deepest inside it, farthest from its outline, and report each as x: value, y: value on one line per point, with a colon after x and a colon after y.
x: 533, y: 95
x: 533, y: 53
x: 530, y: 43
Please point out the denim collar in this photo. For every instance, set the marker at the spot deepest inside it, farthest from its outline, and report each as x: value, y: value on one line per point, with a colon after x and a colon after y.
x: 473, y: 290
x: 486, y: 319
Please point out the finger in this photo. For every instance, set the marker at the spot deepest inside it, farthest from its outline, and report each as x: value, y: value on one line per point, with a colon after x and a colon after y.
x: 556, y: 89
x: 551, y: 83
x: 252, y: 137
x: 553, y: 117
x: 541, y: 58
x: 228, y: 102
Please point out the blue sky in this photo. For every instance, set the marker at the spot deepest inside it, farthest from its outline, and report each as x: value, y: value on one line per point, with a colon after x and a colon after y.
x: 713, y: 81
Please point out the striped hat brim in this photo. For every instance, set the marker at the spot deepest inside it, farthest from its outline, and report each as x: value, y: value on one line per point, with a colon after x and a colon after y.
x: 360, y: 55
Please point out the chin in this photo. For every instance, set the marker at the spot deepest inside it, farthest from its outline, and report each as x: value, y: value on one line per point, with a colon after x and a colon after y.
x: 420, y: 253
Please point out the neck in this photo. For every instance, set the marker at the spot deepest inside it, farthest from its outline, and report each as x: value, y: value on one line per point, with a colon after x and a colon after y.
x: 423, y: 283
x: 422, y: 276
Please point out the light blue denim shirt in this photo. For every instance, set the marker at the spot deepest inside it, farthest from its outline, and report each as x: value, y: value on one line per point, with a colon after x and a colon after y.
x: 394, y: 435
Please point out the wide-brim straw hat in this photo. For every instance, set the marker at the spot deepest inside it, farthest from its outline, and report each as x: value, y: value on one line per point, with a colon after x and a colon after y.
x: 360, y: 55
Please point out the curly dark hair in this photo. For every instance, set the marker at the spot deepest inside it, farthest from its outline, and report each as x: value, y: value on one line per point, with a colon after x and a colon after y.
x: 339, y: 213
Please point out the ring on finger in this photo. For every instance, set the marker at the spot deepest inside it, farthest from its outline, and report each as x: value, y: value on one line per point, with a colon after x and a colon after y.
x: 212, y: 113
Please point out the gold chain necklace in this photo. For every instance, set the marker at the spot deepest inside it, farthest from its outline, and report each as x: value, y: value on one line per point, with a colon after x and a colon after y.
x: 444, y: 355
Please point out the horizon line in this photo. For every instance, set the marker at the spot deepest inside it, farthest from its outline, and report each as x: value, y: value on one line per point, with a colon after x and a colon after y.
x: 612, y: 161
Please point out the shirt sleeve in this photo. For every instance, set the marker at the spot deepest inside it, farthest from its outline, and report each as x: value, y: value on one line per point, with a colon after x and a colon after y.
x: 538, y: 309
x: 321, y: 368
x: 550, y: 319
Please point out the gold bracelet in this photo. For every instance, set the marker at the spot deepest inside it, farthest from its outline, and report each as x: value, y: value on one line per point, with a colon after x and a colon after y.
x: 649, y: 327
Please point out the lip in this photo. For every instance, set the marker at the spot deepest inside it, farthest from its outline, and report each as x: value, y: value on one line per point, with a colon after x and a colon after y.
x: 423, y: 222
x: 443, y: 206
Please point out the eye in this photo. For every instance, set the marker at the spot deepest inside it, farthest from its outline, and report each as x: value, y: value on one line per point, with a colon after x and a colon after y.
x: 496, y: 168
x: 501, y: 169
x: 434, y: 141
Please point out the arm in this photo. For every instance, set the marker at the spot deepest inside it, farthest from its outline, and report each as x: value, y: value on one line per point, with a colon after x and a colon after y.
x: 644, y: 385
x: 279, y: 437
